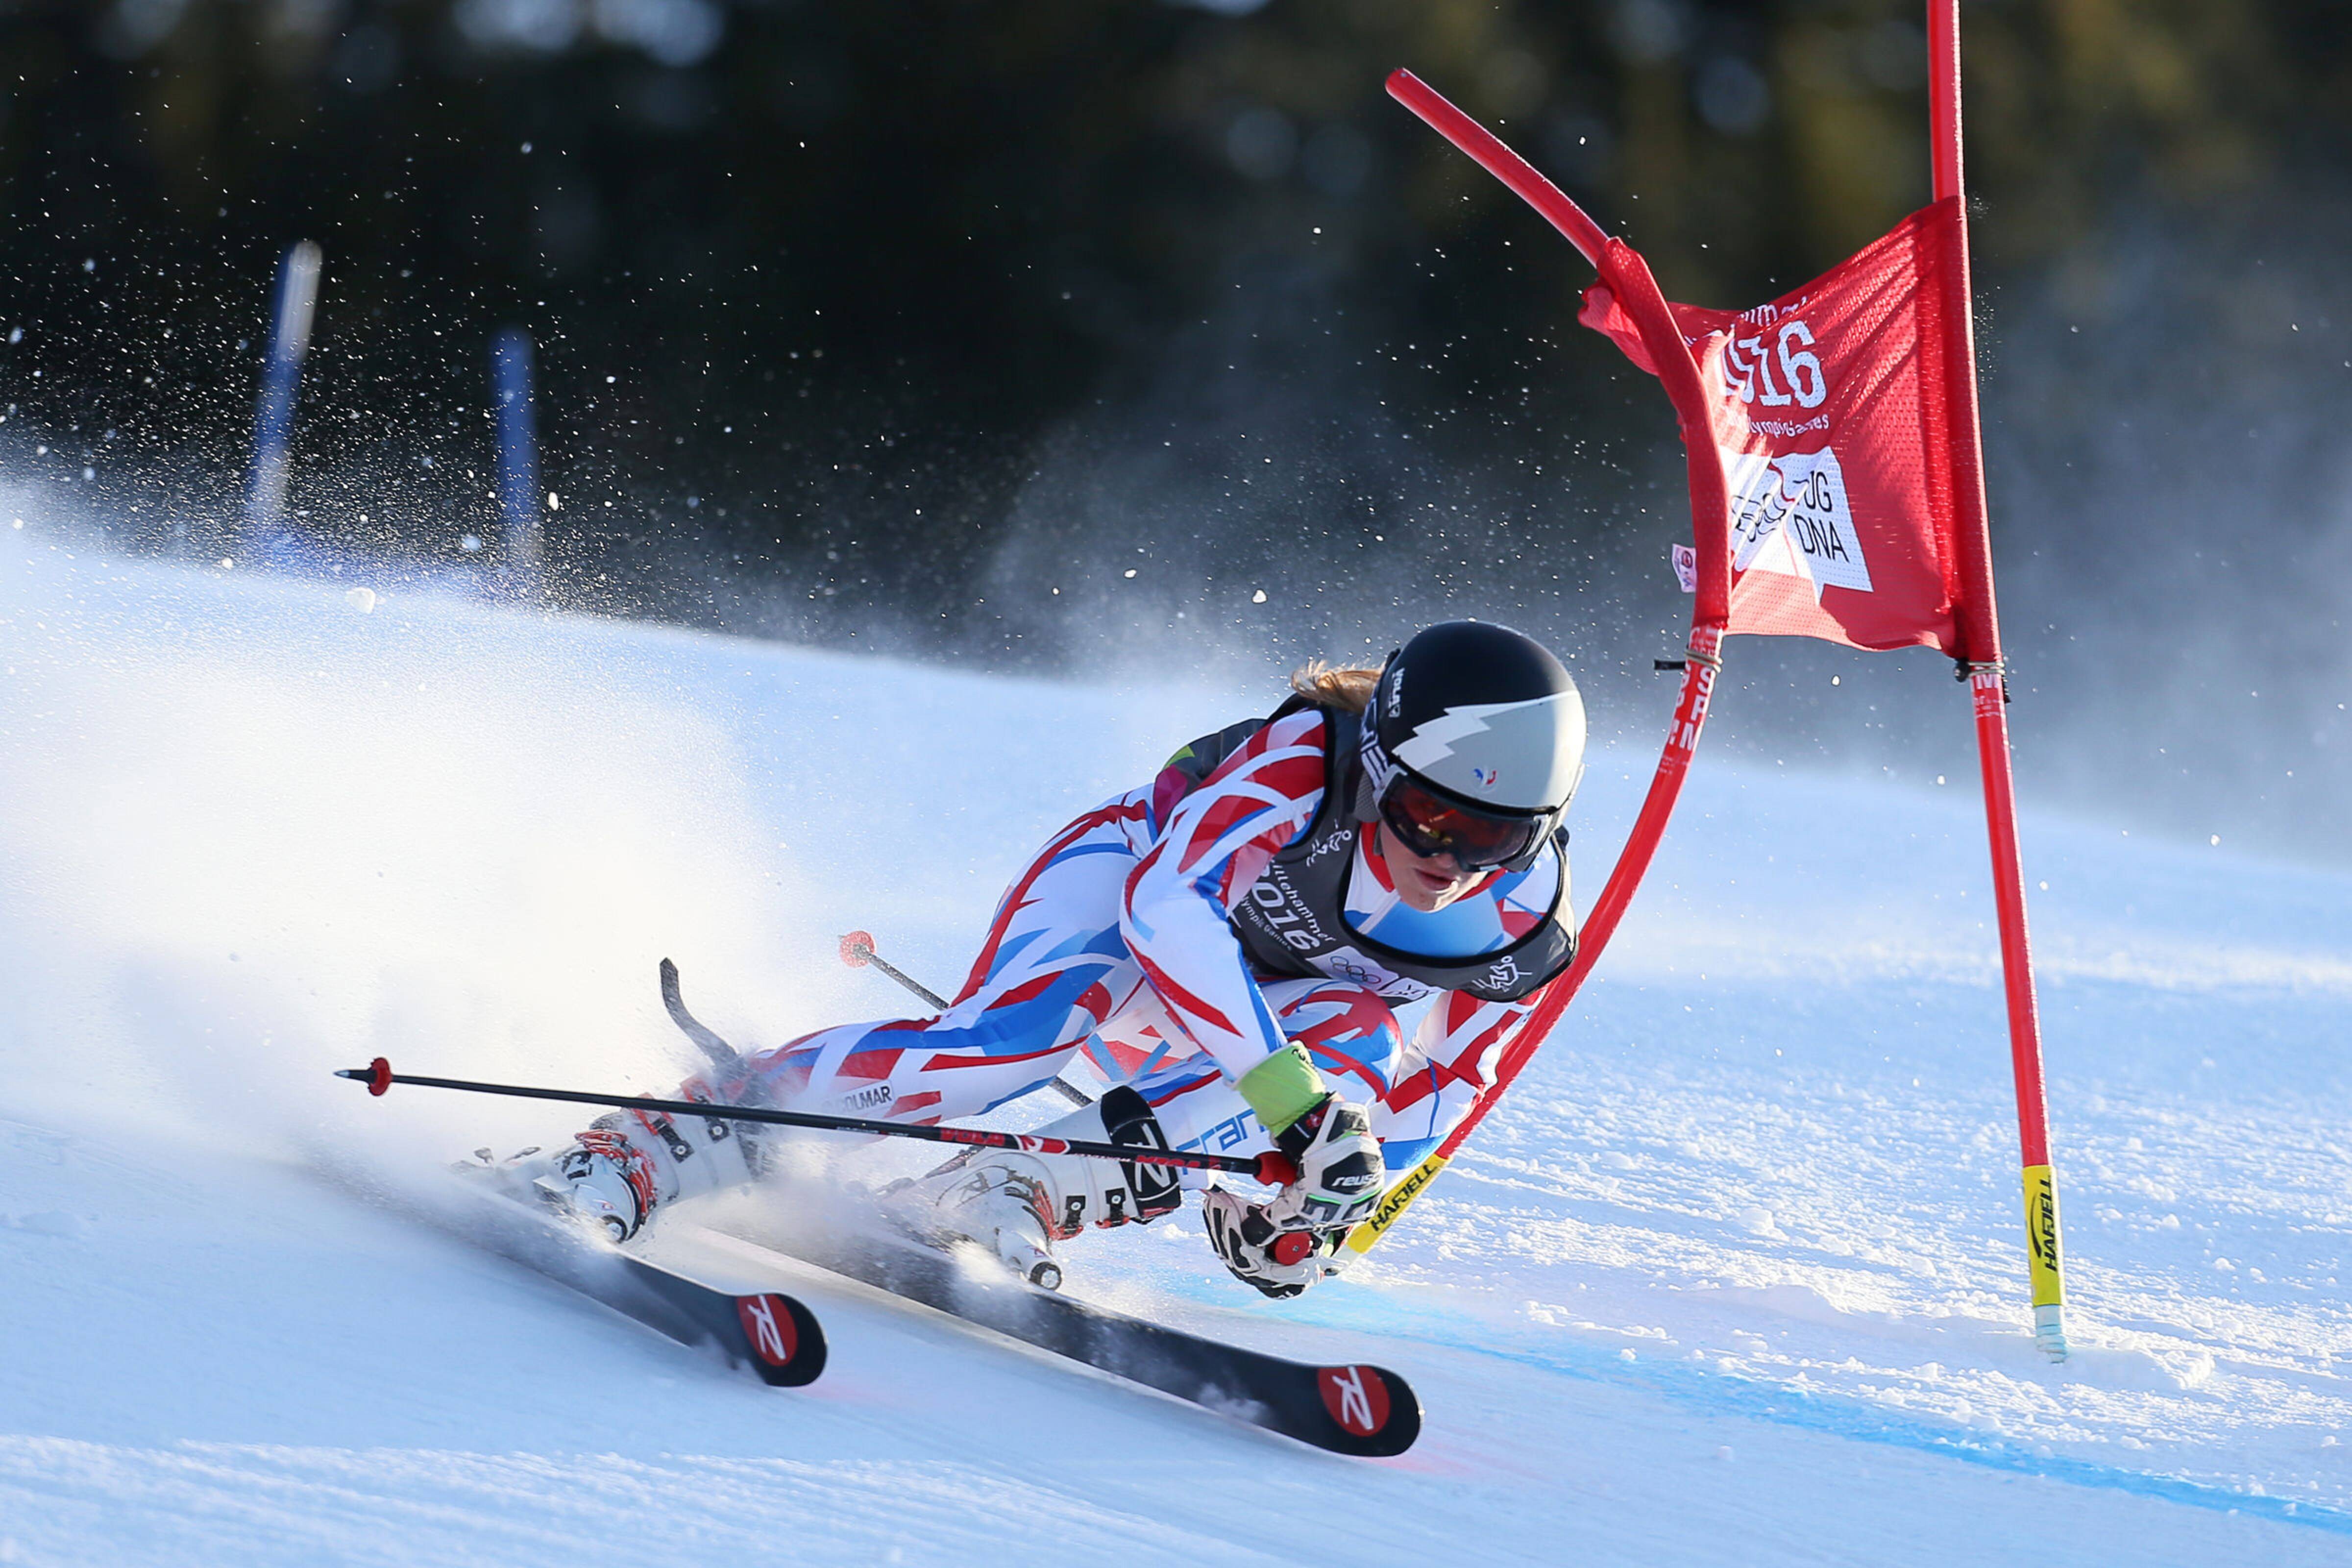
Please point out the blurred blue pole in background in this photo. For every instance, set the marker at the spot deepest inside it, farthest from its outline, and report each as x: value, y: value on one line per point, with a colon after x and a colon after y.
x: 517, y: 462
x: 296, y: 298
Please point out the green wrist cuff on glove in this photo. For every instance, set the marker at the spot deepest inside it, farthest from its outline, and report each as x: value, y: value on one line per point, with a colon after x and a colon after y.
x: 1283, y: 1088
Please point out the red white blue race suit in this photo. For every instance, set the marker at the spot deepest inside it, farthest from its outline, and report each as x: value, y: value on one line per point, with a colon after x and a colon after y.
x: 1114, y: 941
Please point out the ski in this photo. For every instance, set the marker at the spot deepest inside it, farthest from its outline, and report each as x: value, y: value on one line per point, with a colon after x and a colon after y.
x: 1354, y: 1409
x: 772, y: 1334
x: 1348, y: 1409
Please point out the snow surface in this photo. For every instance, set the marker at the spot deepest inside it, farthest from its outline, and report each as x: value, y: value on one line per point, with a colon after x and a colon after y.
x: 1735, y: 1276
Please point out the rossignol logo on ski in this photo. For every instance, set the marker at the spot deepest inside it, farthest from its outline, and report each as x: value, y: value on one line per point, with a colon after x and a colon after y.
x: 767, y: 1325
x: 1356, y: 1396
x: 1789, y: 515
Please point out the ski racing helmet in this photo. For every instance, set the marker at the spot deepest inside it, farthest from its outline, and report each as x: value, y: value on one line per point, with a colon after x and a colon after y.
x: 1472, y: 746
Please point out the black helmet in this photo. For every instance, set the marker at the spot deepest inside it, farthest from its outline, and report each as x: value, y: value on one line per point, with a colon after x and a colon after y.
x: 1473, y: 745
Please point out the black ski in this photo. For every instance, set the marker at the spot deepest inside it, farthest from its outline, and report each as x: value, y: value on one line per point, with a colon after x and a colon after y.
x: 1354, y: 1409
x: 773, y: 1334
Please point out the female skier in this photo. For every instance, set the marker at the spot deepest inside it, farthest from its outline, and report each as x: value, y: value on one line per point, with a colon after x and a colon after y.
x: 1236, y: 933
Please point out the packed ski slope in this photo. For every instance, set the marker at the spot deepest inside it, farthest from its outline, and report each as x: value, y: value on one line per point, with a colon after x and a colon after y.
x: 1733, y: 1279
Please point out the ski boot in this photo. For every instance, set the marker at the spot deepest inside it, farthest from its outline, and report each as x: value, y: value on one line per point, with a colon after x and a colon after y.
x: 1016, y: 1205
x: 627, y: 1165
x: 604, y: 1182
x: 596, y: 1183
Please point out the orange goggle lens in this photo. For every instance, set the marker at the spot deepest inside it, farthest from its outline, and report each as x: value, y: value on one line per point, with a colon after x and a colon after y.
x: 1431, y: 825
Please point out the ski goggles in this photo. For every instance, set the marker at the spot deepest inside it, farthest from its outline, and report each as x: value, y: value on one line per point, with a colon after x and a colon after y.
x: 1432, y: 825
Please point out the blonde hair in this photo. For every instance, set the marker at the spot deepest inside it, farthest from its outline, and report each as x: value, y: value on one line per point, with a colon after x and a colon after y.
x: 1347, y: 686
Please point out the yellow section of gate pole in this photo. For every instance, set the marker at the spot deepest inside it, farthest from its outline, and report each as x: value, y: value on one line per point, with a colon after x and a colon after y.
x: 2043, y: 1262
x: 1394, y: 1203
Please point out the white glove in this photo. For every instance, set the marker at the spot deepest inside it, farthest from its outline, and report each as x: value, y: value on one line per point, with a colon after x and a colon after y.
x: 1341, y: 1173
x: 1277, y: 1263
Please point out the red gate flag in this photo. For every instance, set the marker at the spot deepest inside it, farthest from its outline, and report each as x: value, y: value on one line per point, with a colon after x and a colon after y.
x: 1832, y: 411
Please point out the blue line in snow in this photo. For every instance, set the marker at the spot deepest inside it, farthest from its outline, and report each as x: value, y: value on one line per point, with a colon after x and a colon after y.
x: 1759, y: 1400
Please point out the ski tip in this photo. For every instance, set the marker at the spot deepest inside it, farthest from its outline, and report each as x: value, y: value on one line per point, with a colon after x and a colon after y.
x: 786, y: 1341
x: 1374, y: 1413
x: 857, y: 948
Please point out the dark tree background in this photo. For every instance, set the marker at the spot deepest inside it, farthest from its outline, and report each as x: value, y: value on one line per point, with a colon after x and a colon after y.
x: 1070, y: 331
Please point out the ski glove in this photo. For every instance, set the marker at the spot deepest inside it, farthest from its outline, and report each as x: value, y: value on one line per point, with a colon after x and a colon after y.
x: 1277, y: 1263
x: 1339, y: 1168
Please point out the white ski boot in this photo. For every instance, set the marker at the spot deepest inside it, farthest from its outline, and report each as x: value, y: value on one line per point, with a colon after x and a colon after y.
x: 627, y: 1165
x: 1016, y: 1205
x: 589, y: 1183
x: 603, y: 1182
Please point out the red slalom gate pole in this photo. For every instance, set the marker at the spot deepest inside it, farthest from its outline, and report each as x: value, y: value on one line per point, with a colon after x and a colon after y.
x: 1272, y: 1169
x: 1628, y: 277
x: 1699, y: 672
x: 1988, y: 689
x: 1499, y: 161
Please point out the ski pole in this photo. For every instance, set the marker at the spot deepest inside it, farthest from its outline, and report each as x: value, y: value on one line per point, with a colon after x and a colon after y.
x: 723, y: 1057
x: 1272, y: 1168
x: 857, y: 951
